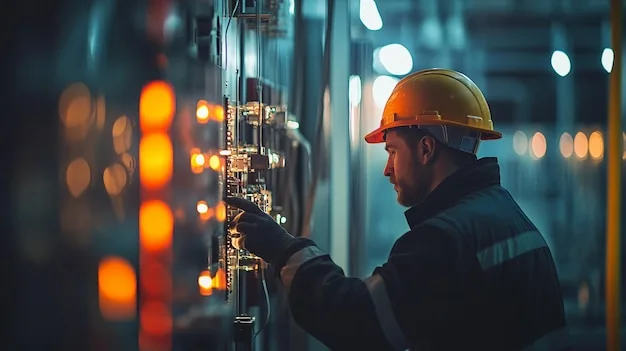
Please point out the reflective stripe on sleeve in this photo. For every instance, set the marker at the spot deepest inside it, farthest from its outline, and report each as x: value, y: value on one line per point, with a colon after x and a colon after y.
x: 553, y: 341
x: 510, y: 248
x: 295, y: 261
x: 387, y: 319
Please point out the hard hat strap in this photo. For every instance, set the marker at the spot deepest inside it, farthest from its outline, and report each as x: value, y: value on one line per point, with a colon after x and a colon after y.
x: 457, y: 138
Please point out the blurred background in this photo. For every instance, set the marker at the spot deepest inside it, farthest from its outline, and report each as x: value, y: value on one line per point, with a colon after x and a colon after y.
x: 115, y: 112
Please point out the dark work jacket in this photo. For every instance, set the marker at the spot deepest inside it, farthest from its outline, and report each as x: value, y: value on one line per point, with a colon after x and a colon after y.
x: 473, y: 273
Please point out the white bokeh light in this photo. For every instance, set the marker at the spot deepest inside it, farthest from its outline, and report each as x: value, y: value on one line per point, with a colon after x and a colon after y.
x: 520, y: 142
x: 354, y: 90
x: 369, y: 15
x: 561, y: 63
x: 382, y: 88
x: 607, y: 59
x: 395, y: 59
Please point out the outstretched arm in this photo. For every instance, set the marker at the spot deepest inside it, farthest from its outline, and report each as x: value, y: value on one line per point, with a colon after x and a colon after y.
x: 412, y: 298
x: 393, y: 309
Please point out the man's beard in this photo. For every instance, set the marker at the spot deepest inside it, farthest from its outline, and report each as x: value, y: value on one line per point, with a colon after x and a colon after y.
x: 409, y: 194
x: 412, y: 191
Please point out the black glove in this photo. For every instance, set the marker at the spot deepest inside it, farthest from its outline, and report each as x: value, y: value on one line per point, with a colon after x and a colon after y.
x: 262, y: 236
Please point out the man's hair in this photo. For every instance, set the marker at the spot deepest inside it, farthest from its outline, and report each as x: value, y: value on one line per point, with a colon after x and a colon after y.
x: 412, y: 135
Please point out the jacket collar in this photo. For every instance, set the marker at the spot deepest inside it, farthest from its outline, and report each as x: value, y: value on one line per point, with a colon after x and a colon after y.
x: 479, y: 174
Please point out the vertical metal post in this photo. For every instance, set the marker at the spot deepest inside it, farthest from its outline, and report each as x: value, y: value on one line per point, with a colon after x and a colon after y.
x: 565, y: 115
x: 339, y: 151
x: 614, y: 191
x: 564, y: 85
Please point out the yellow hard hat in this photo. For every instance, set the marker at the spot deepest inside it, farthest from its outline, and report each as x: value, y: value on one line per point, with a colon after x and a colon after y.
x: 436, y: 97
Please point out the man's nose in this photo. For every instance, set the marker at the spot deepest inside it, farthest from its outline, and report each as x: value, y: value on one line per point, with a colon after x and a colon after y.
x: 388, y: 170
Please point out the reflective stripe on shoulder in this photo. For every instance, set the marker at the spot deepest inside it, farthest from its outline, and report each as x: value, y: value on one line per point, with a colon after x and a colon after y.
x: 553, y: 341
x: 295, y: 261
x: 386, y: 318
x: 510, y: 248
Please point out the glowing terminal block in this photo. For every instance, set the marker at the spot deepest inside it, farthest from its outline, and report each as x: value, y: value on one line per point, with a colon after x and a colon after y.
x: 250, y: 151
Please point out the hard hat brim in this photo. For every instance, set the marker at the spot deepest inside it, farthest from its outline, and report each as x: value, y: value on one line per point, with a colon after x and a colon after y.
x: 378, y: 135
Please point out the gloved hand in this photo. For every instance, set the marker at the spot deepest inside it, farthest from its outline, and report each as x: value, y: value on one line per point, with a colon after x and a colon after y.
x: 262, y: 236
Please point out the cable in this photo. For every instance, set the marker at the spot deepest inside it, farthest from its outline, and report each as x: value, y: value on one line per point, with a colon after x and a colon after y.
x: 308, y: 213
x: 226, y: 34
x: 268, y: 307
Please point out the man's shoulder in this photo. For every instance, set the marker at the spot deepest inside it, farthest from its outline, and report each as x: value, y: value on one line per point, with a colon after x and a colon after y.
x: 487, y: 206
x: 429, y: 234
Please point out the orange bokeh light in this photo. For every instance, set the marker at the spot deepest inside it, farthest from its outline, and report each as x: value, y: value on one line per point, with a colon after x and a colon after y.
x: 117, y: 288
x: 215, y: 162
x: 156, y: 224
x: 219, y: 281
x: 205, y: 283
x: 220, y: 211
x: 202, y: 112
x: 218, y: 113
x: 157, y: 105
x: 156, y: 158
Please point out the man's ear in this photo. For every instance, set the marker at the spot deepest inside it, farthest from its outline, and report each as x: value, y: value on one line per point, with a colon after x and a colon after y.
x: 426, y: 149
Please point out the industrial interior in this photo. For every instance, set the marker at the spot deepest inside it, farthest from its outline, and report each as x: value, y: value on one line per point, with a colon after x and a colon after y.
x: 135, y: 118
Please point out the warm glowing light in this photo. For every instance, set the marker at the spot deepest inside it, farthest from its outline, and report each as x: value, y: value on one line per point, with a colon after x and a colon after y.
x: 202, y: 112
x: 129, y: 163
x: 155, y: 160
x: 220, y: 211
x: 78, y: 176
x: 197, y: 160
x: 219, y: 282
x: 205, y: 283
x: 218, y: 113
x: 156, y: 223
x: 202, y: 207
x: 122, y: 132
x: 156, y: 106
x: 117, y: 289
x: 538, y: 145
x: 581, y: 146
x: 114, y: 179
x: 101, y: 111
x: 120, y: 126
x: 156, y: 318
x: 596, y: 145
x: 215, y: 162
x: 75, y: 105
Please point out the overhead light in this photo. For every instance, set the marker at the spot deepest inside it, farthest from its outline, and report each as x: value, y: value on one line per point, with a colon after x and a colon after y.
x: 368, y: 13
x: 395, y: 59
x: 607, y: 59
x: 561, y: 63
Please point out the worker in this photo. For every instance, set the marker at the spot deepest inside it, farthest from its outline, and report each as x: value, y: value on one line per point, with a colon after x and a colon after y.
x: 472, y: 273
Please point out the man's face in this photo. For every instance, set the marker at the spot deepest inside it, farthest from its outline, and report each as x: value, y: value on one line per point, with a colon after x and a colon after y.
x: 406, y: 171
